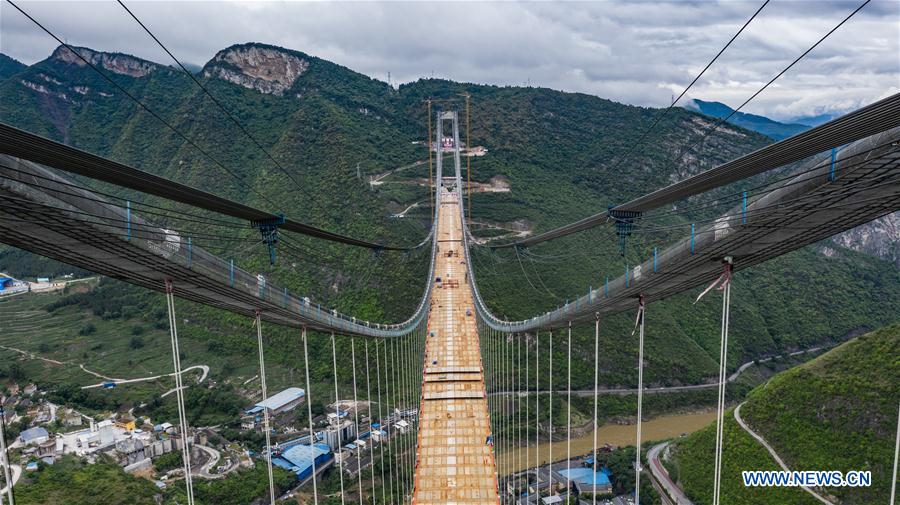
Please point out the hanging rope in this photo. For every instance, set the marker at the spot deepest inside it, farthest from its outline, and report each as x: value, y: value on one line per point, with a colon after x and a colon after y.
x: 637, y: 457
x: 569, y: 414
x: 337, y: 409
x: 262, y: 384
x: 356, y: 419
x: 179, y: 392
x: 596, y: 387
x: 312, y: 435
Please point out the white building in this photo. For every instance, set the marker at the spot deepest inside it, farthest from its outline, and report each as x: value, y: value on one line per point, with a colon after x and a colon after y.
x: 281, y: 402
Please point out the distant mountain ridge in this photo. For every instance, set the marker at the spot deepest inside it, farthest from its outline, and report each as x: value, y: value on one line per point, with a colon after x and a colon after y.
x: 760, y: 124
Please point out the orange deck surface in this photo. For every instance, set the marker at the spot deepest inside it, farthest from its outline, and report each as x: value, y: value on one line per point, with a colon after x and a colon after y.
x: 454, y: 465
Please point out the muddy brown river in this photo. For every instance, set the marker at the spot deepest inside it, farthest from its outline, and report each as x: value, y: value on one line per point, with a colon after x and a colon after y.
x: 616, y: 434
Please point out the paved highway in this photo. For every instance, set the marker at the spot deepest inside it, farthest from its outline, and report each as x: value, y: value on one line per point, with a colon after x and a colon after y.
x: 662, y: 476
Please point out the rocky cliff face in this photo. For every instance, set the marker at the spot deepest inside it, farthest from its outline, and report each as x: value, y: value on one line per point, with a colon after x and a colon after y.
x: 114, y: 62
x: 263, y: 68
x: 879, y: 238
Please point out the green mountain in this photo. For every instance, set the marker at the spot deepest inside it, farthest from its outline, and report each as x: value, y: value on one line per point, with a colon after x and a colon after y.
x: 761, y: 124
x: 837, y: 412
x: 10, y: 66
x: 558, y: 156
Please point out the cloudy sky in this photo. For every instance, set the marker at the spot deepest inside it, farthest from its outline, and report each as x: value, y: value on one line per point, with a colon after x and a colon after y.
x: 634, y: 52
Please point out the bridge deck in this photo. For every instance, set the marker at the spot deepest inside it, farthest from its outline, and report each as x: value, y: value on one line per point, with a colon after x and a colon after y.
x: 454, y: 464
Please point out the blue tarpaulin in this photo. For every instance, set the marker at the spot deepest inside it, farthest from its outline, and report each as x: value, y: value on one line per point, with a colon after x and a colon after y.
x: 584, y: 476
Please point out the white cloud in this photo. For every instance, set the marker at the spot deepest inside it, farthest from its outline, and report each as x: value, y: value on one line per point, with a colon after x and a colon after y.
x: 634, y: 52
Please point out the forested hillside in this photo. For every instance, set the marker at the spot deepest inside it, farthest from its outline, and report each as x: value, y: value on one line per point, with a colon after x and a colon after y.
x: 837, y: 412
x: 561, y: 156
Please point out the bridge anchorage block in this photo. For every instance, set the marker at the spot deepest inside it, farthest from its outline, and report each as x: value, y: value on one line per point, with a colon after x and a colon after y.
x: 268, y: 228
x: 624, y: 222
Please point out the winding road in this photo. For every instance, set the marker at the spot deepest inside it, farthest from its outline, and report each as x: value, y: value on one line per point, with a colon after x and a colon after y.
x: 16, y: 474
x: 659, y: 473
x: 204, y: 368
x: 775, y: 456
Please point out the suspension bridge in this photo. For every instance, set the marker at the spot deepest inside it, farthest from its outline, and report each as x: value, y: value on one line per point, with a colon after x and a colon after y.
x: 441, y: 373
x: 452, y: 340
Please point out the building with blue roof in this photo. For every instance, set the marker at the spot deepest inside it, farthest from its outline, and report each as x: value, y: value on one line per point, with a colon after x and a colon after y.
x: 585, y: 478
x: 34, y: 436
x: 300, y: 459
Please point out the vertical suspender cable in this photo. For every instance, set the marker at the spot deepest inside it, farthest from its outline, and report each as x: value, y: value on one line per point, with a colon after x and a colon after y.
x: 537, y: 407
x: 371, y: 420
x: 4, y: 457
x: 397, y: 450
x: 596, y: 387
x: 637, y: 457
x: 265, y: 395
x: 388, y: 425
x: 896, y: 454
x: 550, y: 402
x: 724, y: 283
x: 179, y: 392
x: 527, y: 414
x: 403, y: 368
x: 500, y: 392
x: 519, y: 390
x: 507, y: 448
x: 337, y: 409
x: 723, y: 366
x: 410, y: 394
x: 312, y: 434
x: 380, y: 422
x: 356, y: 420
x: 569, y: 415
x: 407, y: 370
x: 398, y: 410
x: 401, y: 402
x: 407, y: 367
